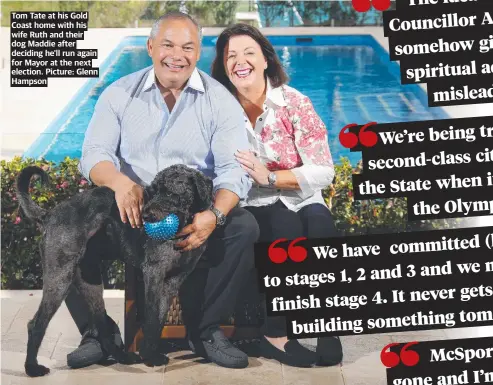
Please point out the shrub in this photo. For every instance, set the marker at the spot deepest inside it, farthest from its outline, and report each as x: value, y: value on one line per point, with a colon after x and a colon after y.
x: 370, y: 216
x: 21, y: 264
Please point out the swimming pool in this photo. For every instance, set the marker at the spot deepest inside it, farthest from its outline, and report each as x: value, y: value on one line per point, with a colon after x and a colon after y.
x: 292, y: 16
x: 349, y: 79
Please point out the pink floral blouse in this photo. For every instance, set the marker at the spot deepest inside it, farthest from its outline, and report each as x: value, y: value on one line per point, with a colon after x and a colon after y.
x: 289, y: 135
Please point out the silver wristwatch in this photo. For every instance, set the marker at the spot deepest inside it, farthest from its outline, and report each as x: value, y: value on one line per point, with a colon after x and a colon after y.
x: 272, y: 178
x: 220, y: 217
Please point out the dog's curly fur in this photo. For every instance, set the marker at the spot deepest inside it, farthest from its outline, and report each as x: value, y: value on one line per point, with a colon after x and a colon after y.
x: 67, y: 255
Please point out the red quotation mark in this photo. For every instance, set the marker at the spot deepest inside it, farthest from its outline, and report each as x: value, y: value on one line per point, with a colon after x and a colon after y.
x: 365, y: 5
x: 407, y: 357
x: 295, y: 253
x: 350, y: 139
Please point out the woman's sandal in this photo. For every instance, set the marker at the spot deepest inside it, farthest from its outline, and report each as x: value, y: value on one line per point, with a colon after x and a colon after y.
x: 294, y: 355
x: 329, y: 351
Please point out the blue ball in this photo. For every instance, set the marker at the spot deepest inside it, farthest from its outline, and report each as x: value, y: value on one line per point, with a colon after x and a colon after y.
x: 164, y: 229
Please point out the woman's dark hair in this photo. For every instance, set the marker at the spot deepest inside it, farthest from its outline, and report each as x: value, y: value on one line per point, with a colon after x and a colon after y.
x: 275, y: 71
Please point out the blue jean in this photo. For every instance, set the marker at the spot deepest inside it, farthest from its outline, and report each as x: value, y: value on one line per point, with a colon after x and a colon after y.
x: 277, y: 221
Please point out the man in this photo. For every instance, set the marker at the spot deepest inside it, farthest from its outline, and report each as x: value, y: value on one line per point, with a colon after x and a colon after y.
x: 172, y: 113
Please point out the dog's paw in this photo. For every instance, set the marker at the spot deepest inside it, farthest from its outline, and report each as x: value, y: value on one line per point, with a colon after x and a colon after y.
x: 157, y: 359
x: 36, y: 370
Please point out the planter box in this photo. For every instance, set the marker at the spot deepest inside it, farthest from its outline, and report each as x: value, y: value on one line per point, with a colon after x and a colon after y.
x: 244, y: 324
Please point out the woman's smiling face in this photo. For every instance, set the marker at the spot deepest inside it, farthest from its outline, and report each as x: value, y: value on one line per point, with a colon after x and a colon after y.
x: 244, y: 62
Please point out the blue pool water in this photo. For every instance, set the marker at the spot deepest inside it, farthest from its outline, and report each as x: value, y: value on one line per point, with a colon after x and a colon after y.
x: 348, y: 78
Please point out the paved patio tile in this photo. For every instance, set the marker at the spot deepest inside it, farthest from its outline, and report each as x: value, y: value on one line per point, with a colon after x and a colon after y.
x: 17, y: 343
x: 13, y: 372
x: 355, y: 347
x: 365, y: 370
x: 361, y: 364
x: 312, y: 376
x: 13, y: 368
x: 186, y: 368
x: 482, y: 331
x: 9, y: 312
x: 411, y: 337
x: 438, y: 334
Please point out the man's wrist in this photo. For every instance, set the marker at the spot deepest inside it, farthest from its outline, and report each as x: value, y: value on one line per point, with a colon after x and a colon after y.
x: 119, y: 180
x: 225, y: 200
x: 220, y: 216
x: 212, y: 216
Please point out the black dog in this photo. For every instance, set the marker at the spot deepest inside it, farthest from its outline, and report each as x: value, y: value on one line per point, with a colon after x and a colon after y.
x: 66, y: 257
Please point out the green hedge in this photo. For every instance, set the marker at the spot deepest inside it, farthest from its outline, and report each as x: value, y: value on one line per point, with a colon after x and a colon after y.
x: 21, y: 265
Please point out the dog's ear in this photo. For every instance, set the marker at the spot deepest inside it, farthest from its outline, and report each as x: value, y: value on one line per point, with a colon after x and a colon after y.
x: 150, y: 191
x: 148, y: 194
x: 203, y: 191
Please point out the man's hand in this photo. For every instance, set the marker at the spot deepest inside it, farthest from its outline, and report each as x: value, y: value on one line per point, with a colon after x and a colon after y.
x: 200, y: 229
x: 130, y: 201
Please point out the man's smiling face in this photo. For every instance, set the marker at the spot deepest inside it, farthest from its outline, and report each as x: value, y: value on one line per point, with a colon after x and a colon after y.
x: 175, y: 51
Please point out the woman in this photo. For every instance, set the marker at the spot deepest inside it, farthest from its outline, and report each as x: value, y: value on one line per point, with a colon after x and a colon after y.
x: 289, y: 162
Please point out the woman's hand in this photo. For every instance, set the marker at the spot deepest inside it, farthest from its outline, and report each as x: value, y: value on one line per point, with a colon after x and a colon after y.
x: 253, y: 167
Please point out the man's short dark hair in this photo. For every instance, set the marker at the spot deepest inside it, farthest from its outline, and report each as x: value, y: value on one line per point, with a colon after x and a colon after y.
x: 175, y: 15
